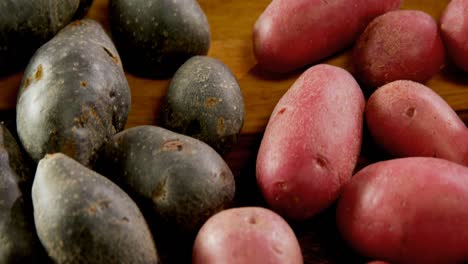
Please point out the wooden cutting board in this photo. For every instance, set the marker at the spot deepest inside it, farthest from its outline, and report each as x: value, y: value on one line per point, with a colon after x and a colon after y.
x: 231, y: 24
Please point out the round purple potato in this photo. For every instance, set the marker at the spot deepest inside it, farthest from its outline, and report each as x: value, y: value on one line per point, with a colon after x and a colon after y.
x: 74, y: 95
x: 204, y: 101
x: 155, y: 37
x: 25, y: 25
x: 82, y: 217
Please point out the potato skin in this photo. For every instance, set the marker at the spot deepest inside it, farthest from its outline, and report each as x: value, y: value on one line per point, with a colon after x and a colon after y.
x: 25, y: 25
x: 293, y: 33
x: 311, y: 143
x: 19, y: 243
x: 409, y: 210
x: 399, y: 45
x: 181, y: 179
x: 74, y: 95
x: 246, y: 235
x: 82, y: 217
x: 204, y: 101
x: 155, y: 37
x: 454, y: 28
x: 409, y: 119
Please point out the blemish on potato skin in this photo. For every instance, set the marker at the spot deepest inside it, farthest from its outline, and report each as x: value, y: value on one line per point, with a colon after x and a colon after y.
x: 410, y: 112
x: 280, y: 112
x: 97, y: 206
x: 173, y: 145
x: 39, y: 73
x: 321, y: 161
x: 211, y: 102
x: 27, y: 82
x: 221, y: 128
x: 160, y: 191
x: 76, y: 23
x: 114, y: 58
x: 277, y: 250
x: 83, y: 84
x: 282, y: 186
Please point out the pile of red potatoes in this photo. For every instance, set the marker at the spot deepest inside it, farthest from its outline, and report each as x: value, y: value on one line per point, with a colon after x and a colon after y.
x: 410, y: 209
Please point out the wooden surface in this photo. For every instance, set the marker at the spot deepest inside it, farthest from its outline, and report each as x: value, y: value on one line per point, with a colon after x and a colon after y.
x: 231, y: 24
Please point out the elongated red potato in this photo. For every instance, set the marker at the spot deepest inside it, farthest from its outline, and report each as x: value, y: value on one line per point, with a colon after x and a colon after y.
x: 409, y: 119
x: 246, y: 235
x: 399, y: 45
x: 293, y: 33
x: 311, y: 143
x: 409, y: 210
x: 454, y: 27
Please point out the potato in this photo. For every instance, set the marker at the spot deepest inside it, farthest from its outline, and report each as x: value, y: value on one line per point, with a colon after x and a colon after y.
x: 82, y: 217
x: 409, y: 119
x: 294, y: 33
x: 409, y: 210
x: 155, y: 37
x: 74, y: 95
x: 399, y: 45
x: 25, y: 25
x: 19, y: 243
x: 204, y: 101
x: 183, y: 179
x: 311, y: 143
x: 454, y: 30
x: 246, y: 235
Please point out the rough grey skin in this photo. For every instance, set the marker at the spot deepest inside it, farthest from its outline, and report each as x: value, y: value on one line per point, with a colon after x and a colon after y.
x: 27, y: 24
x: 155, y: 37
x: 18, y: 242
x: 82, y: 217
x: 74, y: 94
x: 204, y: 101
x: 183, y: 179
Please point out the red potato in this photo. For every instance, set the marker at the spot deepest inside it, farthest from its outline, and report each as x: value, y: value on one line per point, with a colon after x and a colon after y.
x: 409, y: 119
x: 454, y: 27
x: 399, y: 45
x: 409, y: 210
x: 294, y: 33
x: 311, y: 143
x: 246, y: 235
x: 378, y: 262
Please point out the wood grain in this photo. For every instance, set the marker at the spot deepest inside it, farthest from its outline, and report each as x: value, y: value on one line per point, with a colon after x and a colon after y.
x: 231, y: 26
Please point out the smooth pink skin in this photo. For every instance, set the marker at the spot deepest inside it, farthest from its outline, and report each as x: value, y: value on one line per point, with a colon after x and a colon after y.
x: 294, y: 33
x: 246, y: 235
x: 409, y: 210
x: 311, y: 143
x: 454, y: 27
x: 409, y: 119
x: 399, y: 45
